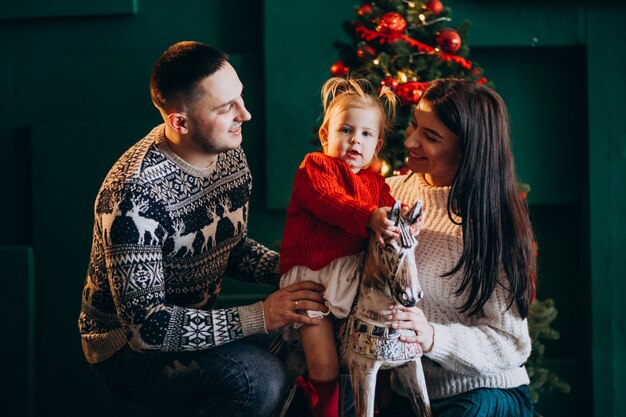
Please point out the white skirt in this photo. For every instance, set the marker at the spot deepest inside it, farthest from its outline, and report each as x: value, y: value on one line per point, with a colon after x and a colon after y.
x: 340, y: 278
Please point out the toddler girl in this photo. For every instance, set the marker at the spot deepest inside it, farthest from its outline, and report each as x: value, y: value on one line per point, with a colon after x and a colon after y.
x: 336, y: 201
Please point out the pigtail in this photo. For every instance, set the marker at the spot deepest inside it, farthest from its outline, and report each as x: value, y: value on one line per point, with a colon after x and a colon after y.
x: 342, y: 91
x: 389, y: 101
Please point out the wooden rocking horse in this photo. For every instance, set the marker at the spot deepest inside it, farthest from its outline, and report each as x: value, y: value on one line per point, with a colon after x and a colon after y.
x: 389, y: 276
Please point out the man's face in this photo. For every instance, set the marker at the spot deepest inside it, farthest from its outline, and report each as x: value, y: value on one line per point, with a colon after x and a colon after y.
x: 215, y: 118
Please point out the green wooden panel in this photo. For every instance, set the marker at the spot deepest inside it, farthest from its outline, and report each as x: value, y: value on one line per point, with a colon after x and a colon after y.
x: 562, y: 235
x: 17, y: 306
x: 521, y: 23
x: 298, y: 55
x: 63, y: 196
x: 607, y: 159
x: 545, y: 91
x: 28, y: 9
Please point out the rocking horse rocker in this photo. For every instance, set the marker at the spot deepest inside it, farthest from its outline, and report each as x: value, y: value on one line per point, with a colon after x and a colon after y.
x: 389, y: 276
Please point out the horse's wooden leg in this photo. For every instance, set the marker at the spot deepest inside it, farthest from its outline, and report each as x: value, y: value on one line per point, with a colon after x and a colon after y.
x: 363, y: 378
x: 411, y: 375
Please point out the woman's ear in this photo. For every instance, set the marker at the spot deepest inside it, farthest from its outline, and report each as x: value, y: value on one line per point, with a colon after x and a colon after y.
x: 178, y: 122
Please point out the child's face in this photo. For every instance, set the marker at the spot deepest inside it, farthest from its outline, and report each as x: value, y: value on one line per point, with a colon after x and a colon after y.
x: 353, y: 136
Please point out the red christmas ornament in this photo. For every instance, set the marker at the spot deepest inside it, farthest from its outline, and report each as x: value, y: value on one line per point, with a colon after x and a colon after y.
x: 434, y: 6
x: 339, y: 69
x: 392, y: 22
x: 411, y: 92
x: 449, y: 40
x: 390, y: 82
x: 364, y: 10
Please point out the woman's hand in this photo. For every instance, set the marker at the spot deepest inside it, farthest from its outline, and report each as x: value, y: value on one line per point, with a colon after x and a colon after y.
x: 382, y: 226
x: 414, y: 319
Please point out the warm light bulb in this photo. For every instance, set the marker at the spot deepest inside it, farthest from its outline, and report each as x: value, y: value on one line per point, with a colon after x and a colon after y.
x: 376, y: 61
x: 411, y: 4
x: 422, y: 18
x: 385, y: 168
x: 402, y: 76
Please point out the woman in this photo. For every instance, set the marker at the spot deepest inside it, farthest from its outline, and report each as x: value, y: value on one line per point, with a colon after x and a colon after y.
x: 476, y: 257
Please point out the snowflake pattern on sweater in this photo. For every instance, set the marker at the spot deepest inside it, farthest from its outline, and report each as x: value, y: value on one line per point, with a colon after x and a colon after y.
x: 165, y: 234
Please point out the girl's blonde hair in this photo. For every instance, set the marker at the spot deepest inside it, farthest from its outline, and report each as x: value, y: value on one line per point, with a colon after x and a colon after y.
x: 341, y: 93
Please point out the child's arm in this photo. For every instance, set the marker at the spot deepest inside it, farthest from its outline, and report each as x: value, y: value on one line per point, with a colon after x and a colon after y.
x: 386, y: 199
x: 316, y: 187
x: 381, y: 226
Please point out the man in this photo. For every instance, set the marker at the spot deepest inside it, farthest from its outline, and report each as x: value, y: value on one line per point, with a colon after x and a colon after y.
x: 170, y: 222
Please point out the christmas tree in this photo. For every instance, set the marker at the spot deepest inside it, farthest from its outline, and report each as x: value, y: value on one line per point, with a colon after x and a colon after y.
x: 404, y: 45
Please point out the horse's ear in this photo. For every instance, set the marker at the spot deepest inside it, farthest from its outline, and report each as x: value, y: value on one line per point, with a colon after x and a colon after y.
x: 415, y: 212
x: 394, y: 213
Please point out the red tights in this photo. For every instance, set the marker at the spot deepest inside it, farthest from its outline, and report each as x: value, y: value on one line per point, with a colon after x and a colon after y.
x: 323, y: 396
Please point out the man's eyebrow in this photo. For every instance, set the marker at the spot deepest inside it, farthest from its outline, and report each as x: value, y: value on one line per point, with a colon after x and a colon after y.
x: 219, y: 106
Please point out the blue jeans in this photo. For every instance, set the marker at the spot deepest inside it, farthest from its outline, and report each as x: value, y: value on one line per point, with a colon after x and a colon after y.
x: 486, y: 402
x: 240, y: 378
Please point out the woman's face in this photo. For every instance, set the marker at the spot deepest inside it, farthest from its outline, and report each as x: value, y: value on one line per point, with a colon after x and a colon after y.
x: 433, y: 149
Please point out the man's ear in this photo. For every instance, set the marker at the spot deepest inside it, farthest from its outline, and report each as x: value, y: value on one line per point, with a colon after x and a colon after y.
x: 178, y: 122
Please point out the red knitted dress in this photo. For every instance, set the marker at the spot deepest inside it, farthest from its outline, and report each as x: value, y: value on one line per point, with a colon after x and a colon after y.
x: 326, y: 227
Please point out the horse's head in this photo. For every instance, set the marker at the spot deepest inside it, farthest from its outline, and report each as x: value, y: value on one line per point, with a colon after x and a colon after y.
x: 393, y: 266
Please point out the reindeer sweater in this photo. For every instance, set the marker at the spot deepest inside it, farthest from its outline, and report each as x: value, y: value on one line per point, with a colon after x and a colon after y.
x: 165, y: 234
x: 328, y: 212
x: 485, y: 350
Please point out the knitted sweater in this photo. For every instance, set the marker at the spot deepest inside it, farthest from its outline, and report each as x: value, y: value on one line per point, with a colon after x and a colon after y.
x: 328, y: 212
x: 485, y: 350
x: 165, y: 233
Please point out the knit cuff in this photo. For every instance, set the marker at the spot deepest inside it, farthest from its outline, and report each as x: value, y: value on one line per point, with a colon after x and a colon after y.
x: 443, y: 344
x: 252, y: 318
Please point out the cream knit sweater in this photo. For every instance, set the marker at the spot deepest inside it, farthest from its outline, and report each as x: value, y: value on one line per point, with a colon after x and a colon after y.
x: 486, y: 350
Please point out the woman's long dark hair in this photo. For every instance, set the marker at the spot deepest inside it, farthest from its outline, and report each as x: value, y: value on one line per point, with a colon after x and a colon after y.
x: 496, y: 229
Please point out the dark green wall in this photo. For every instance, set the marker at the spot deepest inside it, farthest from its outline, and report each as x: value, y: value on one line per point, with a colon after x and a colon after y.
x: 73, y: 84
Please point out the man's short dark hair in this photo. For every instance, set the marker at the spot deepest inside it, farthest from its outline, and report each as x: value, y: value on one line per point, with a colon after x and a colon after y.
x: 176, y: 74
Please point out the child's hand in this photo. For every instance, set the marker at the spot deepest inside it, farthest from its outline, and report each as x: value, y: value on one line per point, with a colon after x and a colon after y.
x: 382, y: 226
x: 419, y: 223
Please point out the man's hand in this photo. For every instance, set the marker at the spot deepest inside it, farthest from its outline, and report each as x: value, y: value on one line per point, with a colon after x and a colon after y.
x: 281, y: 307
x: 382, y: 226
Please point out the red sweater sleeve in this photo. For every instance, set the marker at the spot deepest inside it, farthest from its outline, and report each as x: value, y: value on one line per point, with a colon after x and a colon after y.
x: 319, y: 186
x: 386, y: 200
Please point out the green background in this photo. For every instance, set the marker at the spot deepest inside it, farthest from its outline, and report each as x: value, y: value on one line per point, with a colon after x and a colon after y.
x: 74, y: 95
